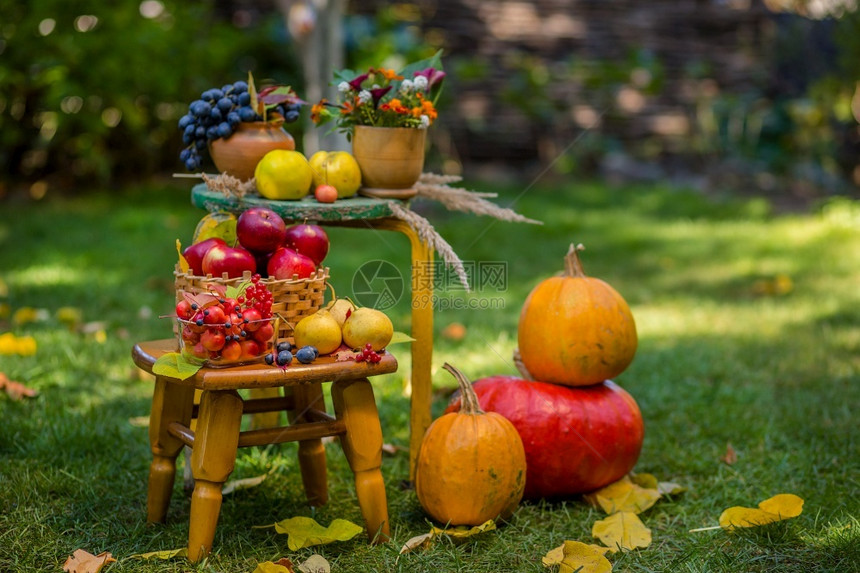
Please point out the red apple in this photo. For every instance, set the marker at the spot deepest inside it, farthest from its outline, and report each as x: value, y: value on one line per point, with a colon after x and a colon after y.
x: 325, y: 193
x: 309, y: 240
x: 194, y: 253
x: 231, y: 260
x: 213, y: 339
x: 286, y: 262
x: 260, y: 230
x: 231, y: 351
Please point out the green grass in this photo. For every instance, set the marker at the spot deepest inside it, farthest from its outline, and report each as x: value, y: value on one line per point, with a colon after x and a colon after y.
x: 719, y: 362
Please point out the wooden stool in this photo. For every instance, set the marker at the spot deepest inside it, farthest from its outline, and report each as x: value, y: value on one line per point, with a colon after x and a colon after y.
x: 217, y: 434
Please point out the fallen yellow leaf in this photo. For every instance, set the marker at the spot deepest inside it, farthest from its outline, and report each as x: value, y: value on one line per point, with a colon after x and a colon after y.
x: 463, y: 531
x: 556, y: 556
x: 623, y: 495
x: 777, y: 508
x: 305, y: 532
x: 85, y: 562
x: 456, y: 534
x: 282, y: 565
x: 578, y: 557
x: 166, y: 554
x: 622, y: 530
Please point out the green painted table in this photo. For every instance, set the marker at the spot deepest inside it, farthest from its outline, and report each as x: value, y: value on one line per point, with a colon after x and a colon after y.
x: 364, y: 212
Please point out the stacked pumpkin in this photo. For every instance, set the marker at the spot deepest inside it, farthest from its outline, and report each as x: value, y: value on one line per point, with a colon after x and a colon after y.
x: 580, y: 431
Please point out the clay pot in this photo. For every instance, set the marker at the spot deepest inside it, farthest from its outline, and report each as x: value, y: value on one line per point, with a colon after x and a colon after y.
x: 239, y: 154
x: 389, y: 157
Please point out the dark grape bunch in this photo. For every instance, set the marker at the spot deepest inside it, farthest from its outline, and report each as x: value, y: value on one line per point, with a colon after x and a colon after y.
x: 218, y: 113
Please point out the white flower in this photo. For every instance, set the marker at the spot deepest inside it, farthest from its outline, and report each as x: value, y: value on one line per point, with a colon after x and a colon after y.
x: 364, y: 96
x: 343, y: 87
x: 375, y: 87
x: 425, y: 121
x: 420, y: 83
x: 407, y: 86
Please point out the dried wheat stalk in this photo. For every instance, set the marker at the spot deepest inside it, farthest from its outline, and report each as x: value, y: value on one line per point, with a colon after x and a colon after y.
x: 229, y: 185
x: 429, y: 236
x: 435, y: 187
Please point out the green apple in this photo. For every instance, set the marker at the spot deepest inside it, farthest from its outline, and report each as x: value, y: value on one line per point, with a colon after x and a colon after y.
x: 338, y: 169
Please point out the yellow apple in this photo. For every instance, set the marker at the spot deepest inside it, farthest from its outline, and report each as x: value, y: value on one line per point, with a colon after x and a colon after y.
x: 338, y: 169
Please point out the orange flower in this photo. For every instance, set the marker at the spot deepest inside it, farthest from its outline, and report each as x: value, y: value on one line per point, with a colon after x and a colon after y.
x: 317, y: 109
x: 429, y: 109
x: 389, y: 75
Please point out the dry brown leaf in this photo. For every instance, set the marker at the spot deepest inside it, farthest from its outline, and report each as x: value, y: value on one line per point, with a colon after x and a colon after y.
x: 15, y: 390
x: 622, y: 530
x: 243, y: 483
x: 670, y: 488
x: 85, y: 562
x: 315, y: 564
x: 422, y: 541
x: 731, y: 456
x: 623, y: 495
x: 777, y: 508
x: 392, y: 449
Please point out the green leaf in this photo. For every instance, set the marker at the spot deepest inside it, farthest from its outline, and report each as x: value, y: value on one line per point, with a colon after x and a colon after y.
x: 400, y: 337
x: 305, y: 532
x: 174, y: 365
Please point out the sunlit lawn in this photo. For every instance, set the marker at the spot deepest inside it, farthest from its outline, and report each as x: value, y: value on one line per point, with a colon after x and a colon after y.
x: 749, y: 327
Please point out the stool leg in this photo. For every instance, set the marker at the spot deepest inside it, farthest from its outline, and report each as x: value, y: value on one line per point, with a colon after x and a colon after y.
x: 362, y: 445
x: 212, y: 460
x: 312, y: 460
x: 170, y: 403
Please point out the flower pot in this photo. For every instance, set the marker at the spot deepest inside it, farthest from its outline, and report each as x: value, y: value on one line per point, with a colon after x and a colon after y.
x: 239, y: 154
x: 390, y: 158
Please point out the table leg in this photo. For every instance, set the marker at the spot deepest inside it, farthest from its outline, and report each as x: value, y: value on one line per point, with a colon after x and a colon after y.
x: 422, y: 331
x: 362, y: 445
x: 212, y: 460
x: 170, y: 403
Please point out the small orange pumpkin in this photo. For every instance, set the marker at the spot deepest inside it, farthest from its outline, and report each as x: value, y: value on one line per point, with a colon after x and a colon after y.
x: 576, y: 330
x: 471, y: 465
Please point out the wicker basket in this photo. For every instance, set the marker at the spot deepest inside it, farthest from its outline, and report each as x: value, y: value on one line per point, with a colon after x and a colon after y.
x: 292, y: 299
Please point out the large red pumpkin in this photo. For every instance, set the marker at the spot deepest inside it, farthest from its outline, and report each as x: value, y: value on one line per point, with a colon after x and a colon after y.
x: 577, y: 439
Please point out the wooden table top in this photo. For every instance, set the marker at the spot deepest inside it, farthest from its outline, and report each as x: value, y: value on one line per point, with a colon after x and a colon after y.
x: 262, y: 375
x: 354, y: 208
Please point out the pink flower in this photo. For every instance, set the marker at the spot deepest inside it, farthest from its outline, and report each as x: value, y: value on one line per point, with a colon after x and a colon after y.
x: 356, y: 82
x: 433, y: 76
x: 378, y: 94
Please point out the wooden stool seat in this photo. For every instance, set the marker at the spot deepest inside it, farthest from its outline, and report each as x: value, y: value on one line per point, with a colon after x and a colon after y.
x: 217, y: 434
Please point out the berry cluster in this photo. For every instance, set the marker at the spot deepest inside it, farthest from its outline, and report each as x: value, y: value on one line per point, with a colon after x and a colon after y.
x: 219, y: 328
x: 218, y: 113
x: 282, y: 356
x: 369, y: 355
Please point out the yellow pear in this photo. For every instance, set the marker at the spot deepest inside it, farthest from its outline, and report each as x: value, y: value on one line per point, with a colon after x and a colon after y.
x: 367, y: 325
x: 319, y: 329
x: 340, y: 308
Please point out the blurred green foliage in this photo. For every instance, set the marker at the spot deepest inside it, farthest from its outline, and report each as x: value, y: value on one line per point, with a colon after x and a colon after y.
x: 92, y: 91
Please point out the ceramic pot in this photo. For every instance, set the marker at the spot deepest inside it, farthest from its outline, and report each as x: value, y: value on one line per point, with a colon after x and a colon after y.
x: 389, y: 157
x: 239, y: 154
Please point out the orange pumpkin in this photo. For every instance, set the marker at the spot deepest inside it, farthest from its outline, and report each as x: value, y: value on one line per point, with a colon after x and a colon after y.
x: 471, y: 465
x: 576, y: 330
